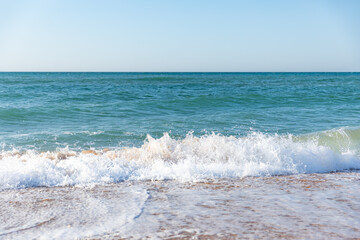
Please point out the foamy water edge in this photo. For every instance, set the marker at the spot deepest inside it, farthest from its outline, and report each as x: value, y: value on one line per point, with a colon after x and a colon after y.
x: 192, y: 158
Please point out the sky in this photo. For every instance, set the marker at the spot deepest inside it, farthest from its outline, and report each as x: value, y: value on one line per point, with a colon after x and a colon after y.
x: 180, y: 35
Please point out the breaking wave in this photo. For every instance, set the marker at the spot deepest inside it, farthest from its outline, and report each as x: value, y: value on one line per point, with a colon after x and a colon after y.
x: 189, y: 159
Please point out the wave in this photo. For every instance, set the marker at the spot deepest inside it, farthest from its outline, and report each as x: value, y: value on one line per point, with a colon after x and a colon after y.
x: 341, y: 140
x: 192, y: 158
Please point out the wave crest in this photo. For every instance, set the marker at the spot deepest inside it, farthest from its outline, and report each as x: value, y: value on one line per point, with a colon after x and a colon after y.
x: 190, y: 159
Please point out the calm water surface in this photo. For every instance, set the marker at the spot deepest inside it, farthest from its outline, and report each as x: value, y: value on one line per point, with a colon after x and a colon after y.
x: 81, y: 110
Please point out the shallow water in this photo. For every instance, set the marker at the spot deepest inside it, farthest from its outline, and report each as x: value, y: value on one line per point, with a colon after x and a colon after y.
x: 319, y: 206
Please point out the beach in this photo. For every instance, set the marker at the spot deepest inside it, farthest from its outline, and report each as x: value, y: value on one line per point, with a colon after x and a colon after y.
x: 179, y: 155
x: 320, y: 206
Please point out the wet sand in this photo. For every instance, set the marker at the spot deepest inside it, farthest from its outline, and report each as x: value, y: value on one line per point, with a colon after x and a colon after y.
x: 306, y: 206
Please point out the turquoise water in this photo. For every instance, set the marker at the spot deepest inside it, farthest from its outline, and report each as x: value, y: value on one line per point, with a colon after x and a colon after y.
x: 61, y: 129
x: 157, y: 155
x: 45, y: 111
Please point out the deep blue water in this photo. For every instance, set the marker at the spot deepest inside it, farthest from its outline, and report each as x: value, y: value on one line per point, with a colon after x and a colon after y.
x: 45, y: 111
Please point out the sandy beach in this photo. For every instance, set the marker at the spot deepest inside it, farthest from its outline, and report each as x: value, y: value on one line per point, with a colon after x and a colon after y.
x: 321, y: 206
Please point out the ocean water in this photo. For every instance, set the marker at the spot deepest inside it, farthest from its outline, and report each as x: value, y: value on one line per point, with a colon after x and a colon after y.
x: 183, y: 155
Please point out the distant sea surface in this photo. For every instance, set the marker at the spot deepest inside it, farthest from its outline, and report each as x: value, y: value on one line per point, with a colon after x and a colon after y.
x: 45, y: 111
x: 201, y: 138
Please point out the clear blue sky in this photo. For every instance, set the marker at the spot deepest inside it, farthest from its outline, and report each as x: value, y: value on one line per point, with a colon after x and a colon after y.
x: 180, y: 35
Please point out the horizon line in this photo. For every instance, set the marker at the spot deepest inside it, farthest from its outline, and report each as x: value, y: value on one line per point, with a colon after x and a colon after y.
x: 179, y: 71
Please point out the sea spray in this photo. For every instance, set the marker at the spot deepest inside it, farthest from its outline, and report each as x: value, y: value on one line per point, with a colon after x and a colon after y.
x: 192, y: 158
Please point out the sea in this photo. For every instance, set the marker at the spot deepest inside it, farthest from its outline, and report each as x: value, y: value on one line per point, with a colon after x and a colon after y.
x: 179, y: 155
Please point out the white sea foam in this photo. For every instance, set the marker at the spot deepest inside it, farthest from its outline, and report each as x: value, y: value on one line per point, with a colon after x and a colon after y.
x: 79, y: 213
x: 189, y: 159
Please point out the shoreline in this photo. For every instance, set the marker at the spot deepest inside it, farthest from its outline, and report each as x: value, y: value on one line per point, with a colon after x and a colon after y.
x: 320, y: 206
